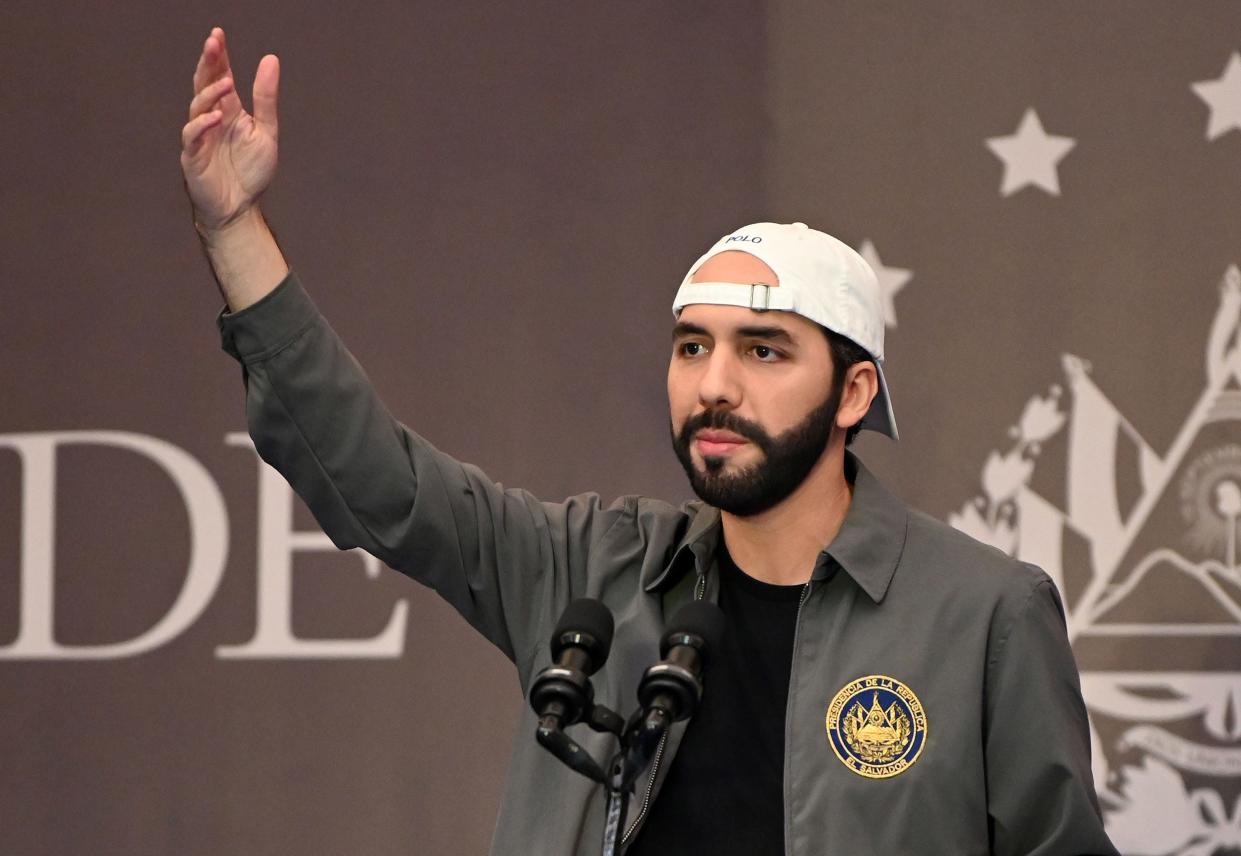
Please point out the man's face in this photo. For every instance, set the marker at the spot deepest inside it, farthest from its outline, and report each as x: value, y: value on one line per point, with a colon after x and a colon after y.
x: 749, y: 395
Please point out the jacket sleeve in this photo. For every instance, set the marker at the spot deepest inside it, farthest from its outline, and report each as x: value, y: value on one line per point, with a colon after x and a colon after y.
x: 506, y: 561
x: 1041, y: 796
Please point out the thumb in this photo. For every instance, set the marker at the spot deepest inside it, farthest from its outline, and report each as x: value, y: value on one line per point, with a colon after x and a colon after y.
x: 266, y: 82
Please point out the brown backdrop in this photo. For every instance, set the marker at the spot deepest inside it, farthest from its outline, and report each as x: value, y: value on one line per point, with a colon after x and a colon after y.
x: 494, y: 204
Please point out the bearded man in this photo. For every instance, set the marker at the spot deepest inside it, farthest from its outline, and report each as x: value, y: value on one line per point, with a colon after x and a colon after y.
x: 887, y: 684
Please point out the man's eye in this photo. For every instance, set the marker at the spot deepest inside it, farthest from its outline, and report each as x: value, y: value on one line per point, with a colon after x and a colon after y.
x: 763, y: 352
x: 691, y: 349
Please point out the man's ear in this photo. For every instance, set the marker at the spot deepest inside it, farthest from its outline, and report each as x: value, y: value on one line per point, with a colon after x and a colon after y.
x: 860, y: 386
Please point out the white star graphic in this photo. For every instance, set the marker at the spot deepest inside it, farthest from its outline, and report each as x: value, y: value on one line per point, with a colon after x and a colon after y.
x: 1223, y: 96
x: 1030, y: 156
x: 891, y: 280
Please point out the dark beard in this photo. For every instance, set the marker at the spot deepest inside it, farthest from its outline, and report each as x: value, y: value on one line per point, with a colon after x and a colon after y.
x: 787, y: 459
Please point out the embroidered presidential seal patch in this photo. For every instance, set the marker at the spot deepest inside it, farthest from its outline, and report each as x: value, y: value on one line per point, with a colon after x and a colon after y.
x: 876, y: 726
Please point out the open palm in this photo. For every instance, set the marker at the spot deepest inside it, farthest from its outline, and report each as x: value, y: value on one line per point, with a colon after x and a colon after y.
x: 228, y: 156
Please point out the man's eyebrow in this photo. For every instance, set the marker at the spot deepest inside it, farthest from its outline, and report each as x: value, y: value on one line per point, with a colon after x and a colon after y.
x: 765, y: 333
x: 686, y: 328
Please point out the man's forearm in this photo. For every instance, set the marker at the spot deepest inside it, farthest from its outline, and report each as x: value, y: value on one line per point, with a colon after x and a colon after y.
x: 246, y: 260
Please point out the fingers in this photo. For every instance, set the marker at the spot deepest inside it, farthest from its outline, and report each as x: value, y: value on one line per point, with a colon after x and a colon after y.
x: 210, y: 94
x: 208, y: 68
x: 200, y: 70
x: 193, y: 135
x: 226, y: 65
x: 266, y: 84
x: 213, y: 65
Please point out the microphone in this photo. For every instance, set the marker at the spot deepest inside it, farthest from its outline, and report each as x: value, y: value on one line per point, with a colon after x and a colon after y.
x: 671, y: 690
x: 580, y: 645
x: 674, y: 685
x: 562, y: 693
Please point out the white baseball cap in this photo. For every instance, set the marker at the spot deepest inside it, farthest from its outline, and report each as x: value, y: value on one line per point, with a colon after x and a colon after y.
x: 820, y: 278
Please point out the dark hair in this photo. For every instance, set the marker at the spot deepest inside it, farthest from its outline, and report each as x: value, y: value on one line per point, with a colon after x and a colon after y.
x: 845, y: 353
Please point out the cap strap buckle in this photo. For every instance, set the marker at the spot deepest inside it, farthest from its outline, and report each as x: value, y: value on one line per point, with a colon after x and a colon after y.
x: 766, y: 296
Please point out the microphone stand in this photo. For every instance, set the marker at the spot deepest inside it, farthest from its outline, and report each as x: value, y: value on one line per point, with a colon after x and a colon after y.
x: 638, y: 740
x: 637, y: 747
x: 670, y: 690
x: 551, y: 736
x: 618, y: 804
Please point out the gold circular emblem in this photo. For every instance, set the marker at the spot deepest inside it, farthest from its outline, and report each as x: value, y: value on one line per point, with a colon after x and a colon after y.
x: 876, y: 726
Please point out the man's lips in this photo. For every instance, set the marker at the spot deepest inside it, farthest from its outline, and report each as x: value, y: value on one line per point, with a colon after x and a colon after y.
x: 719, y: 442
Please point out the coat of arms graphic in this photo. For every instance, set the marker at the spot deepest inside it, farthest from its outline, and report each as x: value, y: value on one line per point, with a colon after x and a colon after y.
x: 876, y: 726
x: 1143, y: 547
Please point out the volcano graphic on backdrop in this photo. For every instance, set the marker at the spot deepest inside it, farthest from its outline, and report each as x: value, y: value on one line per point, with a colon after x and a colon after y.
x: 1144, y: 549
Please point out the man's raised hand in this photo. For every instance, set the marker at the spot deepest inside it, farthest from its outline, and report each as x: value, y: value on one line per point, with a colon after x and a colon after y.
x: 227, y: 155
x: 229, y: 158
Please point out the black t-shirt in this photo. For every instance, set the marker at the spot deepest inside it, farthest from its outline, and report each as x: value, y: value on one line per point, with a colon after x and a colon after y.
x: 724, y: 793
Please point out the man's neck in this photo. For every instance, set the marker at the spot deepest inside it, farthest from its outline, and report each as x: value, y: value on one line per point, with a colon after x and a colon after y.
x: 782, y: 545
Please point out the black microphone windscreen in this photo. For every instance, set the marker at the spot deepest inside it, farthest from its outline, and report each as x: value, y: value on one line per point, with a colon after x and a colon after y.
x: 590, y: 617
x: 701, y: 618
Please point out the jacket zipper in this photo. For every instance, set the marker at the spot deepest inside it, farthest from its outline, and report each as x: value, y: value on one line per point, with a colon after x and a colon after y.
x: 700, y: 587
x: 650, y: 785
x: 805, y: 590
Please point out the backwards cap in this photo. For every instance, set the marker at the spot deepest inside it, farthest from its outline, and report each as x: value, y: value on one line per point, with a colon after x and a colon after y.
x: 820, y: 278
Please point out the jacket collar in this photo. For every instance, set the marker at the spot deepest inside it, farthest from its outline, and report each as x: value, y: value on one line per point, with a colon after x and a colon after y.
x: 697, y: 546
x: 868, y: 546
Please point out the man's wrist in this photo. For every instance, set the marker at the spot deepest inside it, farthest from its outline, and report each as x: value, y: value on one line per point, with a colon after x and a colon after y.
x: 247, y: 219
x: 244, y: 256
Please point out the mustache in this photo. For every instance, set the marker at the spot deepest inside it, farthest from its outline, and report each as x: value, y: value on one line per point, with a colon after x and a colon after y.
x: 724, y: 420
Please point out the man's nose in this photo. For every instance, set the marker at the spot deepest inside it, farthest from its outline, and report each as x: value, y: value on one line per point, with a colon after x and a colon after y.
x: 720, y: 383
